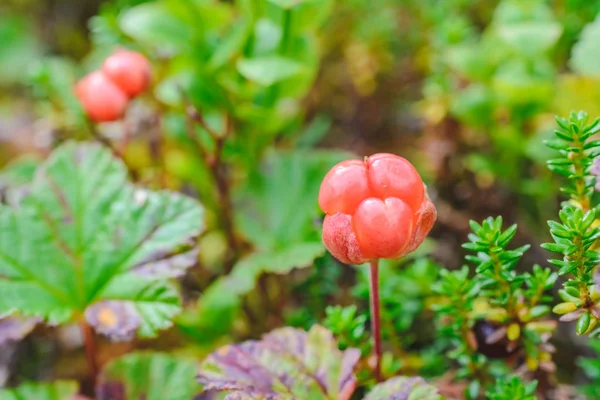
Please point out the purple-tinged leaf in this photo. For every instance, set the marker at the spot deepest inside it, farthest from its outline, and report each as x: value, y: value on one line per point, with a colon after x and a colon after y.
x: 117, y: 320
x: 404, y: 388
x: 166, y: 265
x: 15, y: 328
x: 287, y: 363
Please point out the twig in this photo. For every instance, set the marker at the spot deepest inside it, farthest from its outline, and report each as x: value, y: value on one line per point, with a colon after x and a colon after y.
x: 102, y: 140
x: 220, y: 176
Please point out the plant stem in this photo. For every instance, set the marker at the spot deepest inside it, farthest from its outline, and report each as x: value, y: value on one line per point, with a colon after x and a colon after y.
x: 90, y: 351
x: 375, y: 317
x: 220, y: 175
x: 582, y: 195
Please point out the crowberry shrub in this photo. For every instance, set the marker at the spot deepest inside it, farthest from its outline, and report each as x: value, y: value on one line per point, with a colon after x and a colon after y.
x: 376, y: 208
x: 102, y: 100
x: 129, y: 70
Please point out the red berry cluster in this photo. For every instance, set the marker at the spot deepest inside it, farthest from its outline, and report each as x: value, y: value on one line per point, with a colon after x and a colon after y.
x: 376, y: 208
x: 104, y: 94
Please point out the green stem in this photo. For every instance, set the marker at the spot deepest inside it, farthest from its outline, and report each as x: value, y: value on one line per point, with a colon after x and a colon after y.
x: 580, y: 185
x: 376, y: 317
x: 504, y: 285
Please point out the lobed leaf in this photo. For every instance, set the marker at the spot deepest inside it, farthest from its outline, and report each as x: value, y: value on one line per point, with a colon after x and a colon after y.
x: 404, y: 388
x: 287, y: 363
x: 83, y: 235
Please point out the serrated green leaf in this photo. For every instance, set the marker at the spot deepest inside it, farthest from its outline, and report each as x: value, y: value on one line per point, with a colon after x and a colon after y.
x: 81, y: 234
x: 149, y: 376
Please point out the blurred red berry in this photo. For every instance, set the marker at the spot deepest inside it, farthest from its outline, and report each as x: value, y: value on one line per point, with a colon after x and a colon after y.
x: 377, y: 208
x: 129, y: 70
x: 101, y: 99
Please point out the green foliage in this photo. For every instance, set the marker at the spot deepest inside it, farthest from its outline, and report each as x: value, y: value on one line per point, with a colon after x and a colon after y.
x: 455, y: 320
x: 223, y: 121
x: 60, y: 390
x: 151, y: 376
x: 405, y: 291
x: 515, y: 307
x: 52, y: 80
x: 512, y: 387
x: 268, y: 211
x: 20, y: 48
x: 318, y: 290
x: 576, y: 233
x: 84, y: 235
x: 494, y: 265
x: 282, y: 230
x: 347, y: 327
x: 577, y: 153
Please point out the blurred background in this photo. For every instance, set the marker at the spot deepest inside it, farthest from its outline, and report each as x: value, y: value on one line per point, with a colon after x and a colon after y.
x: 466, y: 90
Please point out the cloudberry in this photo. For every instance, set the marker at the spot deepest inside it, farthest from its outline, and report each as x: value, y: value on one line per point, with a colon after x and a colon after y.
x: 129, y: 70
x: 376, y: 208
x: 101, y: 99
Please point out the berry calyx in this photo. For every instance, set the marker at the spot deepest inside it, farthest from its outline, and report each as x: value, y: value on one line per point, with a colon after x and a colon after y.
x: 102, y: 100
x: 376, y: 208
x: 129, y: 70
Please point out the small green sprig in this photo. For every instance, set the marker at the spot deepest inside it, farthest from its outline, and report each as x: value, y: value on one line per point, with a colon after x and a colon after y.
x: 512, y: 387
x: 518, y: 301
x: 576, y: 156
x: 455, y: 322
x: 495, y: 265
x: 348, y: 327
x: 574, y: 238
x: 576, y: 234
x: 497, y: 313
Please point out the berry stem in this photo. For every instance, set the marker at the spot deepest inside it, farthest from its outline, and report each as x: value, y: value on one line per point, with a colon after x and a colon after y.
x: 375, y: 317
x: 90, y: 351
